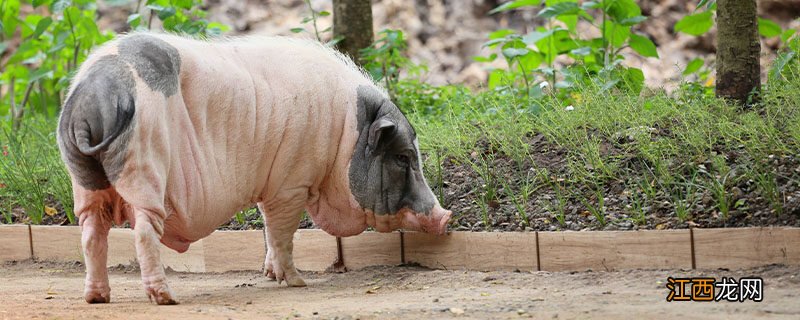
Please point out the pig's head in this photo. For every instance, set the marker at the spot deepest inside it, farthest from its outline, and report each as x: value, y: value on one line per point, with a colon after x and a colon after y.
x: 386, y: 170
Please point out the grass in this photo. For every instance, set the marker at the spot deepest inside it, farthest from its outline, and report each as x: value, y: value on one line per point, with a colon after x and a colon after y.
x: 678, y: 149
x: 681, y: 155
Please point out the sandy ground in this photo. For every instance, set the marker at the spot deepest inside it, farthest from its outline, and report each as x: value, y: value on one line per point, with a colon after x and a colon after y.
x: 54, y: 291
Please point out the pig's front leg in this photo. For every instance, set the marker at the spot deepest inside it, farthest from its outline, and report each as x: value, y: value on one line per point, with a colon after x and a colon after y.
x: 147, y: 237
x: 94, y: 239
x: 279, y: 228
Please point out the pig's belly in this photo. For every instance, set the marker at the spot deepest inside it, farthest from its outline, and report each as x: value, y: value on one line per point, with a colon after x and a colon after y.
x: 181, y: 231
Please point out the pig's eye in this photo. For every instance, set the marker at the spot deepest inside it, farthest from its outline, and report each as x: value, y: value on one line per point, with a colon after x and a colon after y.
x: 402, y: 160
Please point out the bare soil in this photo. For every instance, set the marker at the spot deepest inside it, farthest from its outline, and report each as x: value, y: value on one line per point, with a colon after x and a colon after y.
x: 35, y: 290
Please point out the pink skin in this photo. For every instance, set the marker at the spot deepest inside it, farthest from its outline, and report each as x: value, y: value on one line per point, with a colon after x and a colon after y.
x: 435, y: 222
x: 244, y: 128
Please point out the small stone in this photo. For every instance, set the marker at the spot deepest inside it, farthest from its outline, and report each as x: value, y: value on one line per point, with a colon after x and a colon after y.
x: 521, y: 311
x: 249, y: 302
x: 436, y: 300
x: 456, y: 311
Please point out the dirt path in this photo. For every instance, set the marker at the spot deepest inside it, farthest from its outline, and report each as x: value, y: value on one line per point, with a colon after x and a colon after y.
x: 53, y: 291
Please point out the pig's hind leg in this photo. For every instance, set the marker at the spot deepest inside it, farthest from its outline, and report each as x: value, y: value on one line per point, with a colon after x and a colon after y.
x: 279, y: 227
x: 94, y: 211
x: 147, y: 235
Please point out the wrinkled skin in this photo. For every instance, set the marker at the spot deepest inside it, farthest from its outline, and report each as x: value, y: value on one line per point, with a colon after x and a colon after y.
x: 177, y: 135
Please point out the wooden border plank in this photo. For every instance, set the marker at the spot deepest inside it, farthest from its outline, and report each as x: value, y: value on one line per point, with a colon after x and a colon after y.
x: 57, y: 243
x: 121, y: 247
x: 437, y: 252
x: 314, y: 250
x: 486, y: 251
x: 615, y: 250
x: 14, y: 242
x: 746, y: 247
x: 234, y: 250
x: 370, y: 249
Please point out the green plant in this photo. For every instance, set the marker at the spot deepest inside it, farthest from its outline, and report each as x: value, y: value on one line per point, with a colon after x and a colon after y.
x: 180, y: 16
x: 702, y: 20
x: 638, y: 214
x: 521, y: 197
x: 31, y: 172
x: 318, y: 34
x: 385, y: 59
x: 598, y: 210
x: 598, y: 59
x: 54, y: 39
x: 768, y: 188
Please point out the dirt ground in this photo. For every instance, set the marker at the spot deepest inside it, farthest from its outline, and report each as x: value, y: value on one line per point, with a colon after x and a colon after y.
x: 54, y: 291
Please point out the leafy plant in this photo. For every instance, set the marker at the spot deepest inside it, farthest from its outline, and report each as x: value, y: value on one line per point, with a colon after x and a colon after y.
x: 180, y: 16
x: 318, y: 34
x: 702, y: 20
x: 385, y: 58
x: 532, y: 57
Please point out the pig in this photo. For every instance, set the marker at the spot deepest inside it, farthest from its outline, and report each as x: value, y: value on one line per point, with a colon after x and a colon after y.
x: 175, y: 135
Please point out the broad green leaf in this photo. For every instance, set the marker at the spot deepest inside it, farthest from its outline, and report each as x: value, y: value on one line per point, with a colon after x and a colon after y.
x: 695, y: 24
x: 632, y: 20
x: 643, y: 46
x: 634, y: 79
x: 768, y: 28
x: 490, y: 58
x: 609, y: 84
x: 502, y: 33
x: 37, y: 3
x: 134, y: 18
x: 297, y: 30
x: 616, y: 34
x: 535, y: 36
x: 693, y: 66
x: 39, y: 73
x: 494, y: 42
x: 323, y: 13
x: 560, y: 9
x: 183, y: 4
x: 530, y: 61
x: 787, y: 34
x: 117, y: 3
x: 60, y: 5
x: 590, y: 5
x: 515, y: 4
x: 582, y: 51
x: 780, y: 63
x: 41, y: 27
x: 620, y: 10
x: 496, y: 78
x: 166, y: 13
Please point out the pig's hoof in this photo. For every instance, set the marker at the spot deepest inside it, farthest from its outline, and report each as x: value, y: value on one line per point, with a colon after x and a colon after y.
x: 97, y: 297
x: 270, y: 275
x: 97, y: 293
x: 162, y: 295
x: 296, y: 282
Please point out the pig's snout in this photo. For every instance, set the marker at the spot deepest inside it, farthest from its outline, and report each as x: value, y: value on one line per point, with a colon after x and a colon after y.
x: 435, y: 222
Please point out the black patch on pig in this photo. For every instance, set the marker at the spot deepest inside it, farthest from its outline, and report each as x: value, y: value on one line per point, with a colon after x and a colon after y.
x: 385, y: 174
x: 96, y: 123
x: 157, y: 62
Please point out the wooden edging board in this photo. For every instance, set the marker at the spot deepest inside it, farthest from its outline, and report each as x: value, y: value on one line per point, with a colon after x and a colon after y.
x: 315, y: 250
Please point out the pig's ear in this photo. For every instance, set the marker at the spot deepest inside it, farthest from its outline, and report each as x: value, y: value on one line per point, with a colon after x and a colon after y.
x: 378, y: 128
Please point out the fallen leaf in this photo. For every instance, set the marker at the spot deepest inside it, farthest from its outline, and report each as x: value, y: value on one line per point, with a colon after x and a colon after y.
x: 660, y: 226
x: 373, y: 290
x: 50, y: 211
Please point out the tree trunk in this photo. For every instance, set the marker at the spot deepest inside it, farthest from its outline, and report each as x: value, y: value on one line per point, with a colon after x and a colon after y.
x: 738, y: 50
x: 352, y: 19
